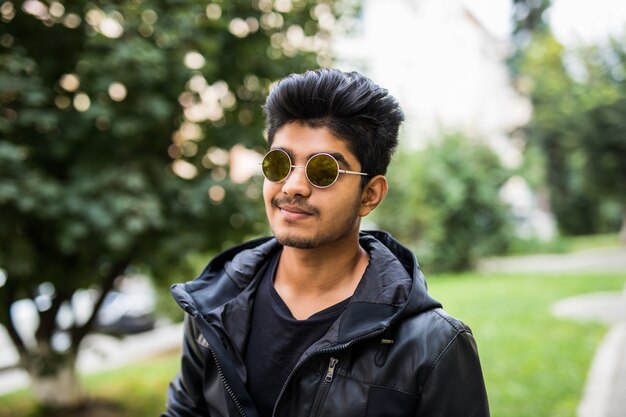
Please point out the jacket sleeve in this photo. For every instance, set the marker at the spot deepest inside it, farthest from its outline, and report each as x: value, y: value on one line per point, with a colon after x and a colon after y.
x: 455, y: 387
x: 185, y: 394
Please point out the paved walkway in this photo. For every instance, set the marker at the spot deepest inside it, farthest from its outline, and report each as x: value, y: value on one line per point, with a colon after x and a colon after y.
x: 605, y: 390
x: 605, y: 260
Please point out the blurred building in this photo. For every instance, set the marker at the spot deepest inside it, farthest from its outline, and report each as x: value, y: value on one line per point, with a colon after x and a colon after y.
x: 445, y: 63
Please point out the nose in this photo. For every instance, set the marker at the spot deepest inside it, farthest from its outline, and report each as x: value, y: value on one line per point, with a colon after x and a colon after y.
x: 297, y: 183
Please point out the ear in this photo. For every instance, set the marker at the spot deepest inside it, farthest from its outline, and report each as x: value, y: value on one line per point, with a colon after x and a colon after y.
x: 373, y: 194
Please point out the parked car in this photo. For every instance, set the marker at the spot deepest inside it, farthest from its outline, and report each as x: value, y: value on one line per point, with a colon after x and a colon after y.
x: 126, y: 313
x: 128, y: 309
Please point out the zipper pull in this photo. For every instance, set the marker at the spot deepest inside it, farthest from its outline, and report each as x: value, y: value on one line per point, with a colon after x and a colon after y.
x: 331, y: 369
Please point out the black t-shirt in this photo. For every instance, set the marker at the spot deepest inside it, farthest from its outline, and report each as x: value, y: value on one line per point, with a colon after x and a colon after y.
x: 277, y: 340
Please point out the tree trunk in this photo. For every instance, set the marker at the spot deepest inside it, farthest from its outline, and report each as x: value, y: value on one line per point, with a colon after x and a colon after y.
x: 54, y: 379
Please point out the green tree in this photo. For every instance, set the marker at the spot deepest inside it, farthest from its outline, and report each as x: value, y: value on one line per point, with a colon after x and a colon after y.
x: 539, y: 72
x: 603, y: 139
x: 555, y: 128
x: 444, y: 201
x: 116, y: 123
x: 528, y: 19
x: 577, y: 96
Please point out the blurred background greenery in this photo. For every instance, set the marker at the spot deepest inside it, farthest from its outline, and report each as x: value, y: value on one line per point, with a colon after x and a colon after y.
x: 129, y: 137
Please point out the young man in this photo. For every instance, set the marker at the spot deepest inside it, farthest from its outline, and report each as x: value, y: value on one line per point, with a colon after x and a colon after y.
x: 321, y: 319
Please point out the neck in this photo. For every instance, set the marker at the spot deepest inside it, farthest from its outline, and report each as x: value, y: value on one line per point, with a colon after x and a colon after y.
x: 309, y: 280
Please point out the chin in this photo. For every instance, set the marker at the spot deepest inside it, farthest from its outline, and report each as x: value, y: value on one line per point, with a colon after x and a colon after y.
x: 297, y: 242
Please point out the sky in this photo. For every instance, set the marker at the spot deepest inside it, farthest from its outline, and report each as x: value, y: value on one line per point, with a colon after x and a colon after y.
x: 572, y: 21
x: 588, y: 21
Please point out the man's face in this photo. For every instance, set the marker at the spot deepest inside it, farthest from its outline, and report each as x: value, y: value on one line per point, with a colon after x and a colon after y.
x: 301, y: 215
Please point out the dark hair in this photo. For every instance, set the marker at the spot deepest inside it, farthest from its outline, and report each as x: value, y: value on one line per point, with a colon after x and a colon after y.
x: 350, y: 105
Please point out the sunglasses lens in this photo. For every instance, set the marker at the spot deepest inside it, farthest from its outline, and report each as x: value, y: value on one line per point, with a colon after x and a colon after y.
x: 322, y: 170
x: 276, y: 165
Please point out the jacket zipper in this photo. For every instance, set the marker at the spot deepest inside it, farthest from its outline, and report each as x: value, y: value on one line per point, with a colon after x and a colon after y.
x: 325, y: 385
x: 220, y: 372
x: 227, y: 386
x: 331, y: 370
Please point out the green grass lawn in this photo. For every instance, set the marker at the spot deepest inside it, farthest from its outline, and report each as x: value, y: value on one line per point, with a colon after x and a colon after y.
x: 563, y: 244
x: 607, y: 240
x: 534, y: 364
x: 138, y: 390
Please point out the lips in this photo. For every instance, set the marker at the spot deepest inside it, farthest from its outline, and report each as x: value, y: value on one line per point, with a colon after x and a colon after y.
x: 295, y: 206
x: 294, y: 209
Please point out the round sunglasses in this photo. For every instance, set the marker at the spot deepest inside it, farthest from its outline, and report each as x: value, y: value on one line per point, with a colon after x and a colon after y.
x: 322, y: 169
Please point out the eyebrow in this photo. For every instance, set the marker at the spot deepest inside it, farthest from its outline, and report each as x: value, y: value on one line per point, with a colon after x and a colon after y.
x: 340, y: 158
x: 337, y: 155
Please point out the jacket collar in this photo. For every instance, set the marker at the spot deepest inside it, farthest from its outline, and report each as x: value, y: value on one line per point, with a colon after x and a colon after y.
x: 393, y: 288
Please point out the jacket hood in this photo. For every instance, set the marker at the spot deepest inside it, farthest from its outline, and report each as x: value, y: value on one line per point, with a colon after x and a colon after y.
x: 395, y: 286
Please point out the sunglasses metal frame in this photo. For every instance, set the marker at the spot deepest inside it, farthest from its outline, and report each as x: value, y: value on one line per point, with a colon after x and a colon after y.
x: 291, y: 167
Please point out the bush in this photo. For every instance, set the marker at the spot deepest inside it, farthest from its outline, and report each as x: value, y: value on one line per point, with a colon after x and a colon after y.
x: 443, y: 201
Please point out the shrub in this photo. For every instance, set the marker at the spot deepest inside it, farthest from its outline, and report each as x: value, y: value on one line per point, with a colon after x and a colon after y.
x: 444, y: 202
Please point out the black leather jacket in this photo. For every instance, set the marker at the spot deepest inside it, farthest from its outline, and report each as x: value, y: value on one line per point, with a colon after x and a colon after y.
x: 393, y: 351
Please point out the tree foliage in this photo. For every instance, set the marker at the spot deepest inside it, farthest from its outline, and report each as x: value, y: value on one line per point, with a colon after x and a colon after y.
x: 604, y: 103
x: 528, y: 17
x: 577, y: 98
x: 444, y: 201
x: 116, y: 123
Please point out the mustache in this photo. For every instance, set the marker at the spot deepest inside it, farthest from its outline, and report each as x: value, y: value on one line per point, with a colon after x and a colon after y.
x: 296, y: 202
